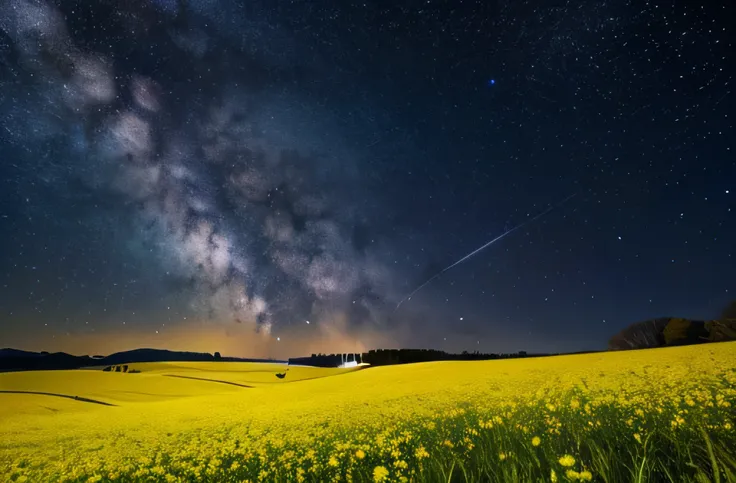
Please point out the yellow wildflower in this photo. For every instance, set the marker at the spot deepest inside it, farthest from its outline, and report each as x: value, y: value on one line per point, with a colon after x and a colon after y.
x: 380, y: 474
x: 536, y: 441
x: 421, y: 453
x: 567, y: 460
x: 360, y: 454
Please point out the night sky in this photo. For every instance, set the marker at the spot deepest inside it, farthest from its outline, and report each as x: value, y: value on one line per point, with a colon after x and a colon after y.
x: 271, y: 178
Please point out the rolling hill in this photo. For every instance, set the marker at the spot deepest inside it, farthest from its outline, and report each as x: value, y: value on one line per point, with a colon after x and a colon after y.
x: 515, y: 419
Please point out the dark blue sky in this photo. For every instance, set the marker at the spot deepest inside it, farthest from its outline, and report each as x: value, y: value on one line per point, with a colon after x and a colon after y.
x: 212, y: 175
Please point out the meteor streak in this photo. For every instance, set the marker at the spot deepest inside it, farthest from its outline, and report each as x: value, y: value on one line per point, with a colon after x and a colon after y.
x: 474, y: 252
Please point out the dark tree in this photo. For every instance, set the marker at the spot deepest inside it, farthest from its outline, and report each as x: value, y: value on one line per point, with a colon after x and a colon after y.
x: 641, y: 335
x: 721, y: 330
x: 729, y: 312
x: 685, y: 332
x: 218, y: 356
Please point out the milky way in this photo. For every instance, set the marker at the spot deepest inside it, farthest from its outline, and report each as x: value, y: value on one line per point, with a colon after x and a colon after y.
x: 254, y: 221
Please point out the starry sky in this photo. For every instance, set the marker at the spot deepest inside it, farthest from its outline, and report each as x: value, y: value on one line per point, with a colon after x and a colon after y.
x: 271, y: 178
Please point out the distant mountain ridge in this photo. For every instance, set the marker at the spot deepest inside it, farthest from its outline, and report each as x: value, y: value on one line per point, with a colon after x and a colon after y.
x: 20, y: 360
x: 18, y: 353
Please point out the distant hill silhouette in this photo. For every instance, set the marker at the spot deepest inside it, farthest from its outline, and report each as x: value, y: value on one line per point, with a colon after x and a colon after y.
x: 19, y: 360
x: 155, y: 355
x: 14, y: 360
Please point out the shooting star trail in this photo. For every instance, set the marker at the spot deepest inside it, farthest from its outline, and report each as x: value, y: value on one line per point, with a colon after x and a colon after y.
x: 474, y: 252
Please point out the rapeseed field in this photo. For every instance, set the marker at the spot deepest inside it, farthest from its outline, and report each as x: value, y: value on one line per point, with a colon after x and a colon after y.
x: 639, y: 416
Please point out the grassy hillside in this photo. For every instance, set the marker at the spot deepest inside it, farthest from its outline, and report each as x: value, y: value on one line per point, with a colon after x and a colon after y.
x: 246, y: 373
x: 155, y: 381
x: 625, y: 416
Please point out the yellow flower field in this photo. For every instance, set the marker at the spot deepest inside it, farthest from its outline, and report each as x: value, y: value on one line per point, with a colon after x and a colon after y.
x: 654, y: 415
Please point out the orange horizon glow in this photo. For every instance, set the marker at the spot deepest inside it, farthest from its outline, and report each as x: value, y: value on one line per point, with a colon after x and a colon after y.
x: 231, y: 340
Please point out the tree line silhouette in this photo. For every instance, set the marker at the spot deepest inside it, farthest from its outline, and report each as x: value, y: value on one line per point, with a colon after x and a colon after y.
x: 674, y: 331
x: 385, y: 357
